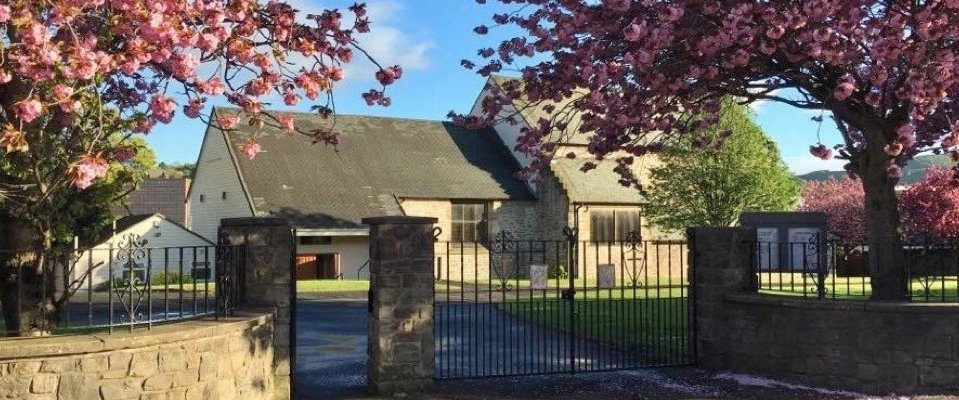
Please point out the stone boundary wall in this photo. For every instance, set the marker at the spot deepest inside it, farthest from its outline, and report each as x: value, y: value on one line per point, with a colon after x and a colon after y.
x: 874, y: 348
x: 868, y: 347
x: 202, y: 359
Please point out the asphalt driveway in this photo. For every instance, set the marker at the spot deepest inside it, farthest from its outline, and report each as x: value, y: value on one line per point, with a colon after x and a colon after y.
x: 331, y: 364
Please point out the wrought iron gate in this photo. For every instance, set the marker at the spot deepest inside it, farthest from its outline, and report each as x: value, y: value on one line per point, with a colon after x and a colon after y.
x: 523, y: 307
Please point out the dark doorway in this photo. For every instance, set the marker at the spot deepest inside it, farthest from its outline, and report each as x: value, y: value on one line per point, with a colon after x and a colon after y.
x: 317, y: 266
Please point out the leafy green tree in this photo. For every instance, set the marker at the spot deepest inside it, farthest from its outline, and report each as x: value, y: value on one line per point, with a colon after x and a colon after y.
x: 713, y: 176
x: 83, y: 213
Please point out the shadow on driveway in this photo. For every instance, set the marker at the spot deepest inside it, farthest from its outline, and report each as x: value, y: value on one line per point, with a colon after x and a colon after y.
x: 331, y: 364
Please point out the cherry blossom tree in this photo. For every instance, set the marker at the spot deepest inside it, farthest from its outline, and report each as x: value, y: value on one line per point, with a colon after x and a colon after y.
x: 74, y: 73
x: 638, y: 72
x: 930, y: 207
x: 841, y: 201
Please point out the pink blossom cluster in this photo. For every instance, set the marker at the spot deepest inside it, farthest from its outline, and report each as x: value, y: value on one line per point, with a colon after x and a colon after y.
x: 930, y: 207
x: 88, y: 169
x: 71, y: 59
x: 641, y: 72
x: 842, y: 202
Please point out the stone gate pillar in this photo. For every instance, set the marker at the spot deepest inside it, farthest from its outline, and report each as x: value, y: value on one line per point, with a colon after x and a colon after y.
x: 401, y: 305
x: 720, y: 259
x: 267, y: 281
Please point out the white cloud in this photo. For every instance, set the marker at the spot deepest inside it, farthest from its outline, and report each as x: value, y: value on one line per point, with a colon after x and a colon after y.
x: 386, y: 42
x: 758, y: 105
x: 807, y: 163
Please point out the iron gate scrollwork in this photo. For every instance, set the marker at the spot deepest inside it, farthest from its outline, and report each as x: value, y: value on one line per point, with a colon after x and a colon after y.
x: 131, y: 258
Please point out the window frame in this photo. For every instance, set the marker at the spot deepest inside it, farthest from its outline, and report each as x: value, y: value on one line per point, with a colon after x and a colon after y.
x: 478, y: 225
x: 614, y: 229
x: 201, y: 266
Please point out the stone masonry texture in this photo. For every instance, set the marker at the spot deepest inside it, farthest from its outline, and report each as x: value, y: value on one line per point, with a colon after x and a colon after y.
x: 401, y: 309
x: 869, y: 347
x: 204, y: 359
x: 268, y: 280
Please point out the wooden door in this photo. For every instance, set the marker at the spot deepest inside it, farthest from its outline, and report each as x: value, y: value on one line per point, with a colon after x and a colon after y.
x: 306, y: 267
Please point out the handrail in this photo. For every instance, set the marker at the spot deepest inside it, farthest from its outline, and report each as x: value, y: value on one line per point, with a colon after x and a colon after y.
x: 360, y: 271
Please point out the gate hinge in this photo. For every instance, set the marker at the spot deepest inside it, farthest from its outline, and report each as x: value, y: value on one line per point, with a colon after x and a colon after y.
x: 369, y: 301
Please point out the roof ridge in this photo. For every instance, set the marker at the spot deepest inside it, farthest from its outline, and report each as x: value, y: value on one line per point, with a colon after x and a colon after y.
x: 311, y: 114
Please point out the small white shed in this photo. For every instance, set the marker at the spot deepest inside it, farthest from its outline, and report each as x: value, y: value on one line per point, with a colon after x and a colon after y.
x: 142, y: 243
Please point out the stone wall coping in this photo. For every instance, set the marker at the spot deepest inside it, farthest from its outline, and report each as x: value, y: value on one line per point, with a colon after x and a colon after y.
x: 122, y: 339
x: 844, y: 305
x: 253, y: 221
x: 398, y: 220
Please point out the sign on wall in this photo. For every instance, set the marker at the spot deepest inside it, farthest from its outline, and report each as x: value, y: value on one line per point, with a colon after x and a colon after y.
x: 768, y: 247
x: 804, y: 248
x: 537, y: 276
x: 788, y: 241
x: 607, y: 276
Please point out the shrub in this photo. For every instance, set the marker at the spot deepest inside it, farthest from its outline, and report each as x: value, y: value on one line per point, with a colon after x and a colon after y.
x: 557, y: 272
x: 170, y: 278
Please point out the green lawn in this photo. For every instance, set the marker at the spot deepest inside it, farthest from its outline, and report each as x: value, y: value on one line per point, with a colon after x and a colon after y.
x: 655, y: 326
x: 332, y: 285
x: 578, y: 282
x: 186, y: 287
x: 932, y: 289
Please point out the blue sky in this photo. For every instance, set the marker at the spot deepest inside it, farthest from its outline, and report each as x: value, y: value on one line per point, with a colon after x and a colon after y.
x: 429, y: 38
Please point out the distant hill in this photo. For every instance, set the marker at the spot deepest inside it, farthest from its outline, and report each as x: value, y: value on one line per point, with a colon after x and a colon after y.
x: 913, y: 172
x: 173, y: 170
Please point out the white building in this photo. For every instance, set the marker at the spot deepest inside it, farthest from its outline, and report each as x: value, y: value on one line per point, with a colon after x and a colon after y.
x: 142, y: 243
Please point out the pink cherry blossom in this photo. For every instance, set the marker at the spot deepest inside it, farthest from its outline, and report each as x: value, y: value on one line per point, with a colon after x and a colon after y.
x: 28, y: 110
x: 290, y: 98
x: 193, y: 108
x: 841, y: 200
x: 123, y: 154
x: 821, y: 151
x: 287, y: 122
x: 930, y: 207
x: 251, y: 148
x: 144, y: 125
x: 4, y: 13
x: 844, y: 89
x: 894, y: 171
x: 649, y: 67
x: 228, y: 121
x: 86, y: 170
x: 163, y: 108
x: 894, y: 149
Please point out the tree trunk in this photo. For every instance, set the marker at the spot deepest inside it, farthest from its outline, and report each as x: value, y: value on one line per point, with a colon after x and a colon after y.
x: 887, y: 260
x: 27, y: 295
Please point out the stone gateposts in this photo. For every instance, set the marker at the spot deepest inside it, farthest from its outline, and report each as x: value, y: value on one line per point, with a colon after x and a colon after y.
x: 720, y: 261
x: 869, y: 347
x: 268, y: 283
x: 401, y: 305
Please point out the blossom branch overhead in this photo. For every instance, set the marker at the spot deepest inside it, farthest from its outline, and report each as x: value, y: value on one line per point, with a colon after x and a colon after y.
x: 73, y: 72
x: 887, y: 70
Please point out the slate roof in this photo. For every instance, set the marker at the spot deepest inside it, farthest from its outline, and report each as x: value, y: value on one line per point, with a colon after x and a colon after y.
x: 127, y: 222
x: 378, y: 161
x: 600, y: 185
x: 532, y: 114
x: 122, y: 224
